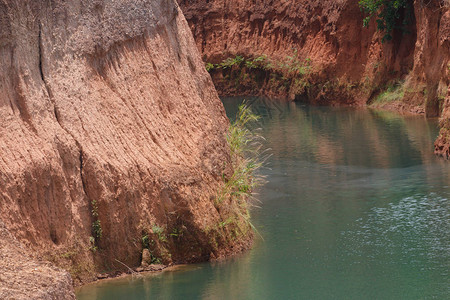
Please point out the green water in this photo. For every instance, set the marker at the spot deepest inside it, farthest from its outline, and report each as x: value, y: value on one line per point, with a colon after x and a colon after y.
x: 356, y: 207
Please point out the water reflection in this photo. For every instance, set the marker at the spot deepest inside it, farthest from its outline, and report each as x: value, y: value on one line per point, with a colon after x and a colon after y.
x: 356, y: 207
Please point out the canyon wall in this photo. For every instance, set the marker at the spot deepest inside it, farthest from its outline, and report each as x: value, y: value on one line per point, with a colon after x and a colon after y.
x: 112, y: 137
x: 330, y: 34
x: 347, y: 63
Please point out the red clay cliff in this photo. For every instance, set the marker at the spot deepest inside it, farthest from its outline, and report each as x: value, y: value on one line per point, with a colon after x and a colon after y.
x: 347, y: 63
x: 112, y: 137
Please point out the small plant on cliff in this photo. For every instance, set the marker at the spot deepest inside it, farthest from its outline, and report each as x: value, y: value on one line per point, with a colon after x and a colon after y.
x: 231, y: 61
x: 97, y: 229
x: 260, y: 62
x: 209, y: 67
x: 176, y: 232
x: 390, y: 15
x: 145, y: 241
x: 159, y: 231
x: 287, y: 76
x: 146, y: 244
x: 92, y: 245
x: 155, y: 260
x: 96, y: 226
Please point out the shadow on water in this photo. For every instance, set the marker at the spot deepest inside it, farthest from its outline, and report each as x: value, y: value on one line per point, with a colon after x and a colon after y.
x: 356, y: 207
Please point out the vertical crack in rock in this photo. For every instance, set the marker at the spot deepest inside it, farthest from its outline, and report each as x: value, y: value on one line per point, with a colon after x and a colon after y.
x: 55, y: 110
x: 83, y: 183
x: 41, y: 72
x: 40, y: 52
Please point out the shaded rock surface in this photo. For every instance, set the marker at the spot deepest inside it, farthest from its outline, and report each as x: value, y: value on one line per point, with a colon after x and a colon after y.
x: 110, y: 126
x: 146, y: 258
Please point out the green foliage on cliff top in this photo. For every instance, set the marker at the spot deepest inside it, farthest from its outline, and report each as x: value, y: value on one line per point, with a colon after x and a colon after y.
x: 390, y: 15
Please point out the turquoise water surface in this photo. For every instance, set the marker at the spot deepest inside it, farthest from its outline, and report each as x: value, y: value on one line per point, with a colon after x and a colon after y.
x: 356, y: 207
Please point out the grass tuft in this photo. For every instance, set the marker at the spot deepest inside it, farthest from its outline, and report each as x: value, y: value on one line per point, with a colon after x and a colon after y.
x: 392, y: 93
x: 245, y: 148
x: 245, y: 145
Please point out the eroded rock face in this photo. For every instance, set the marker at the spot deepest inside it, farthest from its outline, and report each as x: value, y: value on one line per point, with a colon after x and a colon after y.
x: 23, y: 278
x: 331, y: 35
x: 350, y: 63
x: 327, y: 33
x: 442, y: 144
x: 107, y: 114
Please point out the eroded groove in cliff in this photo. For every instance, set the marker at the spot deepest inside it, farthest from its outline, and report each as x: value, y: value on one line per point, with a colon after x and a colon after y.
x: 40, y: 53
x: 52, y: 100
x: 41, y: 72
x: 83, y: 183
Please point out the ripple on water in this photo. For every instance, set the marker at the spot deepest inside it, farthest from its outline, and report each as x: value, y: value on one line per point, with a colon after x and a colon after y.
x: 413, y: 232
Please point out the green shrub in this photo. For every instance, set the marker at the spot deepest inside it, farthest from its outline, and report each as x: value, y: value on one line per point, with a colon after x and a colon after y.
x: 96, y: 224
x: 260, y: 62
x: 230, y: 62
x: 291, y: 64
x: 155, y: 260
x: 97, y: 229
x: 209, y: 67
x: 150, y: 244
x: 390, y: 15
x: 159, y: 231
x: 289, y: 75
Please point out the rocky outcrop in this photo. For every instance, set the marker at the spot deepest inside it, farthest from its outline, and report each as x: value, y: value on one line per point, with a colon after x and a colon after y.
x: 112, y: 136
x: 349, y: 63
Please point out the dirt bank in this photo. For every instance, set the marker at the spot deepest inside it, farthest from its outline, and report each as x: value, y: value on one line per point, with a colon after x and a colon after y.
x: 319, y: 52
x: 112, y: 137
